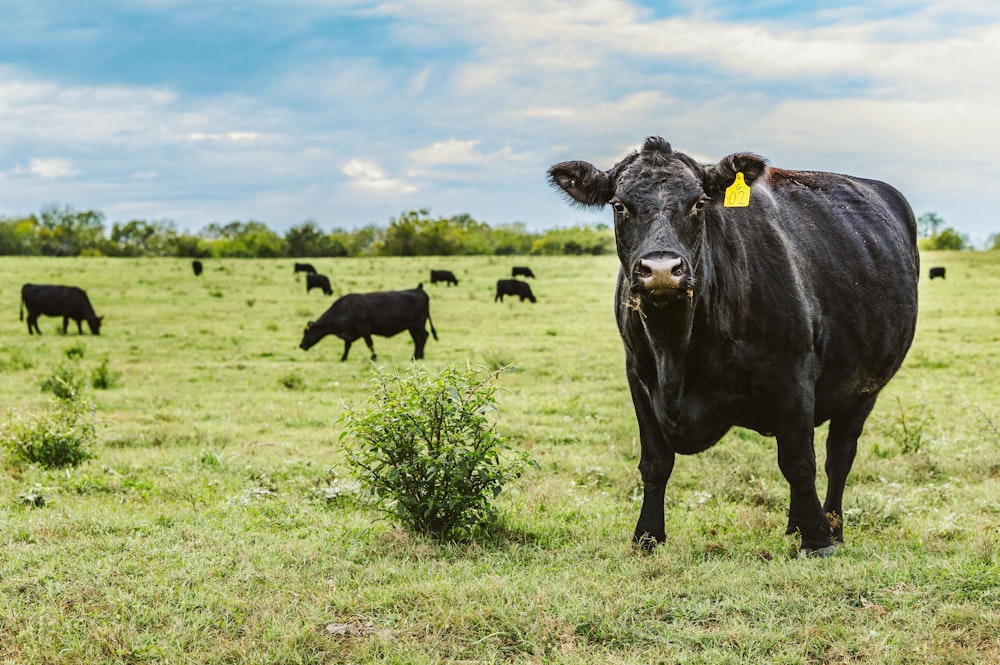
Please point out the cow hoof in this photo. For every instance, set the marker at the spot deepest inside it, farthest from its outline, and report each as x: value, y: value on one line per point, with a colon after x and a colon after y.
x: 818, y: 553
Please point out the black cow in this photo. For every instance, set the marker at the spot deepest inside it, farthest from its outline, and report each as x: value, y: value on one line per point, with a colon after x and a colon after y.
x: 304, y: 267
x: 69, y: 302
x: 197, y: 267
x: 446, y: 276
x: 757, y: 297
x: 383, y: 313
x: 937, y: 271
x: 314, y: 280
x: 513, y: 287
x: 521, y: 271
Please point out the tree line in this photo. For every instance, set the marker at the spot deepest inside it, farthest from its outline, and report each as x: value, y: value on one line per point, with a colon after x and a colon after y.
x: 63, y: 231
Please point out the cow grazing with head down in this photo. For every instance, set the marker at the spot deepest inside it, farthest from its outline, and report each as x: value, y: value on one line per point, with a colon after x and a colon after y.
x: 521, y: 271
x: 197, y: 267
x: 303, y: 267
x: 314, y: 280
x: 936, y: 271
x: 757, y: 297
x: 383, y: 313
x: 446, y: 276
x: 513, y: 287
x: 69, y: 302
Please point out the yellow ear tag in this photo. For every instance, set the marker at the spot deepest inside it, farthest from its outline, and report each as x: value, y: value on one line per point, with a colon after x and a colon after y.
x: 737, y: 194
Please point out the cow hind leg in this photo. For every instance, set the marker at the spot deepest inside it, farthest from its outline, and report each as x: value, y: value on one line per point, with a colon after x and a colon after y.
x: 33, y: 324
x: 371, y: 346
x: 841, y: 447
x: 419, y: 336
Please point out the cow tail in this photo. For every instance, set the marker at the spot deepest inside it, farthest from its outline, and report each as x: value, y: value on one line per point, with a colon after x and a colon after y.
x: 22, y: 308
x: 433, y: 332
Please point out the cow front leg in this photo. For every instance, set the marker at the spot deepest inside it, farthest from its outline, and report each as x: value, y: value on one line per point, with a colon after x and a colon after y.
x: 371, y: 347
x: 797, y: 461
x: 65, y: 324
x: 656, y: 463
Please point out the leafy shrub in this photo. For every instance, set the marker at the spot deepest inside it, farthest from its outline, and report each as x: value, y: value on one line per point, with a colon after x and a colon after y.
x: 426, y: 454
x: 64, y: 382
x: 103, y: 378
x: 293, y: 381
x: 74, y: 352
x: 57, y: 439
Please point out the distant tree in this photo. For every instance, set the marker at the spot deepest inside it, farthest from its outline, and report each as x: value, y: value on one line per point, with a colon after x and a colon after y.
x: 245, y: 239
x: 993, y: 242
x: 141, y: 238
x: 64, y: 232
x: 307, y: 239
x: 928, y: 224
x: 19, y: 236
x: 947, y: 238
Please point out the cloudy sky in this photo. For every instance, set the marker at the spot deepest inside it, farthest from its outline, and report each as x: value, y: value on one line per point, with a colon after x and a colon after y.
x: 349, y: 112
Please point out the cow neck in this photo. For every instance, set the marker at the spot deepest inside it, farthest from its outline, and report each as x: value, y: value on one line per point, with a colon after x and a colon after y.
x: 668, y: 335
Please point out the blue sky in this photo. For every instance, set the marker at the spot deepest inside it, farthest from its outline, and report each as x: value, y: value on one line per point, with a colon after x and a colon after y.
x: 349, y: 112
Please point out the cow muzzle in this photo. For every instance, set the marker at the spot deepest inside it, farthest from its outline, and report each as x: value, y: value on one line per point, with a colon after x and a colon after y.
x: 661, y: 275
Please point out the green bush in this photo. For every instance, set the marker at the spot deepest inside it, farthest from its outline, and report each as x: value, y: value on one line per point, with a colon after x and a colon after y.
x: 426, y: 454
x: 64, y: 382
x: 57, y: 439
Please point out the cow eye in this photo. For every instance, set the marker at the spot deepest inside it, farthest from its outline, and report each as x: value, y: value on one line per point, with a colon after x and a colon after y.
x: 619, y: 208
x: 699, y: 205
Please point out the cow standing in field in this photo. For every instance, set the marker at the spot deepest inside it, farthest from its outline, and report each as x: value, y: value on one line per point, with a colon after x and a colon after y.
x: 757, y: 297
x: 446, y: 276
x: 197, y: 267
x: 304, y: 267
x: 69, y: 302
x: 513, y: 287
x: 314, y: 280
x: 383, y: 313
x: 521, y: 271
x: 936, y: 271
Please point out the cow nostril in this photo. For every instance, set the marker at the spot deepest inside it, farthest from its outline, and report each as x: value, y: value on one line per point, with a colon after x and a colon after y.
x: 644, y: 269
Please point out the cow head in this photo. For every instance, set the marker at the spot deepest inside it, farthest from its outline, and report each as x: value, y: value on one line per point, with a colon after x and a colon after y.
x: 94, y: 323
x: 310, y: 336
x: 662, y: 201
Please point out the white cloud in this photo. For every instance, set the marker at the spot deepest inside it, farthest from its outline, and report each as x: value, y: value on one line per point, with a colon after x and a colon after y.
x: 451, y: 151
x: 48, y: 168
x: 369, y: 175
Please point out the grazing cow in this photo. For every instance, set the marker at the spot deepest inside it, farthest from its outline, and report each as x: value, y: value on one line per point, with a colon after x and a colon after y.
x: 304, y: 267
x: 383, y: 313
x: 756, y: 297
x: 69, y: 302
x: 513, y: 287
x: 314, y: 280
x: 937, y: 271
x: 197, y: 267
x: 443, y: 276
x: 521, y: 271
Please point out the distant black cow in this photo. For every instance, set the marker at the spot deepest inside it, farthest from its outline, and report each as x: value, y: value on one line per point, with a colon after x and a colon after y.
x: 521, y: 271
x: 443, y: 276
x: 513, y: 287
x: 197, y: 267
x: 304, y: 267
x: 383, y: 313
x: 69, y: 302
x: 757, y: 297
x: 314, y: 280
x: 937, y: 271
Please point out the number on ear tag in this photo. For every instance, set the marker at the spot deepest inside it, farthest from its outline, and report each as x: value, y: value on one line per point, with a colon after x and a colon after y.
x: 738, y: 193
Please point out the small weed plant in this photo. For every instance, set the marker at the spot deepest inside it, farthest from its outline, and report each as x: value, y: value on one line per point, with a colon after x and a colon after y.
x: 426, y: 453
x: 102, y: 378
x: 57, y: 439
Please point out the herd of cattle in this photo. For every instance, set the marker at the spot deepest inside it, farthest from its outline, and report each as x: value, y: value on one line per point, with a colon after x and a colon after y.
x: 351, y: 317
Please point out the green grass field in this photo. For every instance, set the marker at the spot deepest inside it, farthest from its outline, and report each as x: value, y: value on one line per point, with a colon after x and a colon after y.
x: 208, y: 527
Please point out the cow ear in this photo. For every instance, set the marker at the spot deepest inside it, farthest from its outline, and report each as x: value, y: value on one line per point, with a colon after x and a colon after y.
x: 723, y: 174
x: 583, y: 183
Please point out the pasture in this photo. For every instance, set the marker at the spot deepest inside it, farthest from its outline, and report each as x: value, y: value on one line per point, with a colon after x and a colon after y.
x: 216, y: 525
